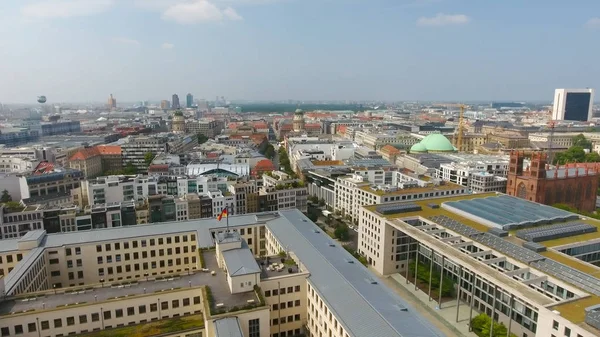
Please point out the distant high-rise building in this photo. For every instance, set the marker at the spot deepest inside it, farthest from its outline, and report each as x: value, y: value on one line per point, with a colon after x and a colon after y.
x: 165, y: 104
x: 189, y: 100
x: 112, y: 102
x: 573, y: 104
x: 175, y: 102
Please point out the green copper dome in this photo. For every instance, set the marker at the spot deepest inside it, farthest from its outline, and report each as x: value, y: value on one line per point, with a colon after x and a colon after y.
x: 434, y: 142
x: 419, y: 147
x: 438, y: 143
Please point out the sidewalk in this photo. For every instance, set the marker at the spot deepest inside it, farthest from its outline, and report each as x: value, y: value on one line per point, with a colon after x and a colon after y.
x: 444, y: 319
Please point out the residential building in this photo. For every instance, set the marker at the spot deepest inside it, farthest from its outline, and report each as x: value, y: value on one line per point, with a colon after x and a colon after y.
x: 377, y: 140
x: 135, y: 149
x: 10, y: 164
x: 373, y: 187
x: 573, y: 104
x: 16, y: 222
x: 40, y: 183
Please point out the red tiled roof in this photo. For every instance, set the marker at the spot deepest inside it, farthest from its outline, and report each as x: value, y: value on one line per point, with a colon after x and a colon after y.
x: 44, y: 167
x: 261, y: 125
x: 389, y: 149
x: 85, y: 154
x: 109, y: 149
x: 264, y: 165
x: 158, y: 168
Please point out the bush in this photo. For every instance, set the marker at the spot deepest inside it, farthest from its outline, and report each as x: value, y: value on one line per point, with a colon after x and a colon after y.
x: 423, y: 276
x: 481, y: 327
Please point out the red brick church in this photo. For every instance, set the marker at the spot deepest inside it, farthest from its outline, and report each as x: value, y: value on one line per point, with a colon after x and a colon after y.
x: 575, y: 186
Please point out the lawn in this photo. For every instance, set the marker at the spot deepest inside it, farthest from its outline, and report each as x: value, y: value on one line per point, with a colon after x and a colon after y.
x: 152, y: 328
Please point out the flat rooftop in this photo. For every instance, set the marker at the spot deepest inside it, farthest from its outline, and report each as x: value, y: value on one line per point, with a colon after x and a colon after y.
x: 345, y: 284
x: 445, y: 187
x: 573, y: 310
x: 101, y: 293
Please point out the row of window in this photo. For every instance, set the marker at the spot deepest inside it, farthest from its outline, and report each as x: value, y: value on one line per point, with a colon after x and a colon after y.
x: 289, y: 333
x: 136, y: 255
x: 289, y: 304
x: 95, y: 317
x: 281, y: 291
x: 11, y: 259
x: 143, y: 243
x: 288, y: 319
x: 146, y: 265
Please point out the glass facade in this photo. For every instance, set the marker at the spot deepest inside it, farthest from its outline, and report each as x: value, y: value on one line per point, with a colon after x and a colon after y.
x: 577, y: 106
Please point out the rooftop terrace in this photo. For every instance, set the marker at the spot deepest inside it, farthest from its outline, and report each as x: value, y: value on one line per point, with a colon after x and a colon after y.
x: 83, y: 295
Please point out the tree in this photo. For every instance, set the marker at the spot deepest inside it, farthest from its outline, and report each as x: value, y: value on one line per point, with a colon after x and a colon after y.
x: 202, y: 139
x: 592, y: 157
x: 341, y: 233
x: 581, y: 141
x: 321, y: 202
x: 574, y: 154
x: 130, y: 169
x: 148, y: 158
x: 5, y: 197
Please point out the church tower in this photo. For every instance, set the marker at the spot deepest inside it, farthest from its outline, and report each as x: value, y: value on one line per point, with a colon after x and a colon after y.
x: 298, y: 122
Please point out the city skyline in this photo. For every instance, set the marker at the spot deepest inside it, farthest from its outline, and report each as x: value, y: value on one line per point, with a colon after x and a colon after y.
x: 426, y: 50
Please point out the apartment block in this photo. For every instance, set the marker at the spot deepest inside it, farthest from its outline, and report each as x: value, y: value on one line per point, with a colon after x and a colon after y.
x: 373, y: 187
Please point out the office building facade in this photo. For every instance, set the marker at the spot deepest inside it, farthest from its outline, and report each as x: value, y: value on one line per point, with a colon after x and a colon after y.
x: 573, y: 104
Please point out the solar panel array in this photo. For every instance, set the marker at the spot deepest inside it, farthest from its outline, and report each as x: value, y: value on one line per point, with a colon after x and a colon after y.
x: 498, y: 232
x: 400, y: 208
x: 455, y: 225
x: 510, y: 212
x: 546, y: 233
x: 592, y: 316
x: 534, y: 246
x: 569, y: 275
x: 549, y: 266
x: 509, y: 248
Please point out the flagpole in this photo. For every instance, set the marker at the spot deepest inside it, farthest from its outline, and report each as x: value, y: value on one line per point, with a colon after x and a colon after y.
x: 227, y: 215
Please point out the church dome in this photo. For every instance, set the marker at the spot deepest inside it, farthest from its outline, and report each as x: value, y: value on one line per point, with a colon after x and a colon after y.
x: 438, y: 143
x: 419, y: 147
x: 434, y: 142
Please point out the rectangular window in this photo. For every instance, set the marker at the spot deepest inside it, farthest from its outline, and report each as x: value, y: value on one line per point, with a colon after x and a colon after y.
x: 186, y: 302
x: 68, y: 251
x: 70, y: 321
x: 95, y: 317
x: 125, y: 245
x: 130, y: 311
x: 142, y: 309
x: 98, y: 248
x: 254, y: 328
x: 153, y: 307
x: 107, y: 247
x: 175, y: 304
x: 117, y: 246
x: 18, y: 329
x: 107, y: 315
x: 45, y: 325
x: 82, y: 319
x: 31, y: 327
x: 297, y: 288
x: 58, y: 323
x: 197, y: 300
x: 164, y: 305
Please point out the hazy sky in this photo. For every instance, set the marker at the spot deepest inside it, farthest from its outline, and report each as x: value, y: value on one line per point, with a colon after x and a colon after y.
x: 83, y: 50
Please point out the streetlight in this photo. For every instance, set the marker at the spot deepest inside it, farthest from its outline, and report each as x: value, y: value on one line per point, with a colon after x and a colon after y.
x: 54, y: 286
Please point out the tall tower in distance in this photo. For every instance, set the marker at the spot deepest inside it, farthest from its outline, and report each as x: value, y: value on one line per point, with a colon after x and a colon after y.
x: 112, y: 102
x: 165, y: 104
x: 189, y: 100
x: 175, y: 102
x: 298, y: 121
x: 573, y: 105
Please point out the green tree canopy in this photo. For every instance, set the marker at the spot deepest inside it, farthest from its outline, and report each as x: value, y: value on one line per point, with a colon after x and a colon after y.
x: 342, y: 233
x: 148, y: 158
x: 581, y: 141
x: 5, y: 196
x: 202, y: 139
x: 130, y: 169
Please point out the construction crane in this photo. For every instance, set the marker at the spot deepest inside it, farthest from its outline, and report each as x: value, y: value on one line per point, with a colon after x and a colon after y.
x: 461, y: 125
